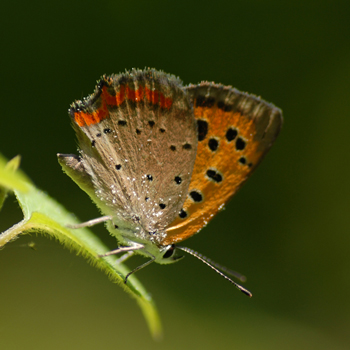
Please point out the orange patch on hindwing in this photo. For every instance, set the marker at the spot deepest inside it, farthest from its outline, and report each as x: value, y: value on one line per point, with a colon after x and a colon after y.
x: 231, y: 144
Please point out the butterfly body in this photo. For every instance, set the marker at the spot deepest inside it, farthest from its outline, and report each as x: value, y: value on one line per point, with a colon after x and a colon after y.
x: 160, y: 159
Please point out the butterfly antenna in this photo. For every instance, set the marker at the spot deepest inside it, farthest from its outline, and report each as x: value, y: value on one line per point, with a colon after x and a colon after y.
x: 216, y: 267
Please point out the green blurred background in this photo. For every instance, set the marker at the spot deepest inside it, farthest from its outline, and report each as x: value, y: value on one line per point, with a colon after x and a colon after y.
x: 288, y: 227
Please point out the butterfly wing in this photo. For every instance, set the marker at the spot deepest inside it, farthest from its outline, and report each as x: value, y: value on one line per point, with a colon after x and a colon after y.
x: 135, y: 128
x: 235, y: 131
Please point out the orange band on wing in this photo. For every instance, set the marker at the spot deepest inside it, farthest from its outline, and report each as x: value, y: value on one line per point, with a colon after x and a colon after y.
x: 83, y: 118
x: 152, y: 96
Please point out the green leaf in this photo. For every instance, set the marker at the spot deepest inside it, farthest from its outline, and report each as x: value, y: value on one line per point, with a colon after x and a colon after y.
x: 44, y: 215
x: 9, y: 179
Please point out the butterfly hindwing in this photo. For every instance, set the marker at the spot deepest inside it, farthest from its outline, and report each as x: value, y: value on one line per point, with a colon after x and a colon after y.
x: 235, y: 131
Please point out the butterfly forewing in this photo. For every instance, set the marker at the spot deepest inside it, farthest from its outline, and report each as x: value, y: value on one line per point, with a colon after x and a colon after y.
x: 138, y: 141
x: 235, y: 130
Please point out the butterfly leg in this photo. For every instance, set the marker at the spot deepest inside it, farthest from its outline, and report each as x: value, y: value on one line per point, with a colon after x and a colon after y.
x: 135, y: 246
x: 90, y: 222
x: 139, y: 268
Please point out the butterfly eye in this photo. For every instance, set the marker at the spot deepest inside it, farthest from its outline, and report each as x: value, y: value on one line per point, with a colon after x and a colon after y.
x: 169, y: 252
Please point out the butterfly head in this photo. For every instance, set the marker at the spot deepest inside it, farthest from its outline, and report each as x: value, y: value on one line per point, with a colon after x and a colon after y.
x: 161, y: 254
x: 166, y: 254
x: 143, y: 242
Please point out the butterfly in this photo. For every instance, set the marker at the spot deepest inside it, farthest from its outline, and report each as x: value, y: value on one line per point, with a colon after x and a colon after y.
x: 160, y: 159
